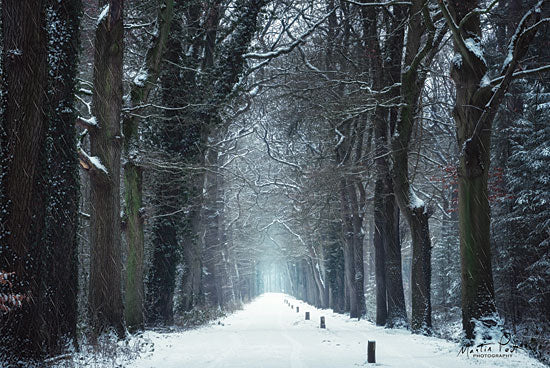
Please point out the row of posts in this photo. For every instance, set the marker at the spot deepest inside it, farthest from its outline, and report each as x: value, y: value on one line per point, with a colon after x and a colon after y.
x: 371, y: 346
x: 322, y: 322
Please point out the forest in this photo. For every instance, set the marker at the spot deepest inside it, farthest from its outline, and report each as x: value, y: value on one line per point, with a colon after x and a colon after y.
x: 163, y: 163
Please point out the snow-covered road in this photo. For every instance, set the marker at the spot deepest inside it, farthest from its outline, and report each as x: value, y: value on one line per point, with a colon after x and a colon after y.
x: 268, y: 334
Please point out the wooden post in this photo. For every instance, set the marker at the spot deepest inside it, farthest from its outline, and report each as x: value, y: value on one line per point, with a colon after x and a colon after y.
x: 307, y: 316
x: 297, y: 309
x: 323, y: 322
x: 371, y: 347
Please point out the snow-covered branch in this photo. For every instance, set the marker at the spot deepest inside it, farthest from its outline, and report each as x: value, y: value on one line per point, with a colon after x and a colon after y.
x: 387, y: 3
x: 93, y: 163
x: 287, y: 49
x: 90, y: 123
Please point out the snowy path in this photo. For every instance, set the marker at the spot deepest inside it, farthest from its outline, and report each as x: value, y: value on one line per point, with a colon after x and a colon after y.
x: 268, y: 334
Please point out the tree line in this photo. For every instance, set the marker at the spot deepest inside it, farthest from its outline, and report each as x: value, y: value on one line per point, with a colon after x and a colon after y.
x: 161, y: 160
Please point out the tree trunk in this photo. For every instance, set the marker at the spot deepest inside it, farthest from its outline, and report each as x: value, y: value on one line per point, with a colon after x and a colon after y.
x: 411, y: 206
x: 63, y: 185
x: 192, y: 275
x: 389, y: 294
x: 319, y: 279
x: 475, y: 108
x: 168, y: 191
x: 380, y: 254
x: 349, y: 264
x: 211, y: 253
x: 357, y: 250
x: 478, y: 299
x: 133, y: 211
x: 162, y: 272
x: 133, y: 301
x: 23, y: 172
x: 105, y: 297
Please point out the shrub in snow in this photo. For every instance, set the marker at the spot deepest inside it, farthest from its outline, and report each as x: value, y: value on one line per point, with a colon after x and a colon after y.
x: 489, y: 329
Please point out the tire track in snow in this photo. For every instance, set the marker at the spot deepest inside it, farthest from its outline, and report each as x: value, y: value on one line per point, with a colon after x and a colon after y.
x: 295, y: 361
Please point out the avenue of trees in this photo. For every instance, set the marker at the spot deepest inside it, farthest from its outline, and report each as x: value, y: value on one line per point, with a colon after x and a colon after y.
x: 164, y: 161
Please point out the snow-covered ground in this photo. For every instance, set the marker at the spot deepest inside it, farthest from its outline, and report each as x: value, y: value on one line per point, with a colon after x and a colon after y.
x: 268, y: 334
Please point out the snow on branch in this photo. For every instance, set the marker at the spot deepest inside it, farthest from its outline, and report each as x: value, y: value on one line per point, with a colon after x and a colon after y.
x: 90, y: 123
x: 476, y: 11
x: 264, y: 138
x: 519, y: 45
x: 466, y: 50
x: 287, y: 49
x: 88, y: 162
x: 103, y: 14
x: 387, y: 3
x: 523, y: 73
x: 522, y: 31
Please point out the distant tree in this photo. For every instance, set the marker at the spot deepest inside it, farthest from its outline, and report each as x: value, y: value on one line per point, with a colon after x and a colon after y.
x: 195, y: 96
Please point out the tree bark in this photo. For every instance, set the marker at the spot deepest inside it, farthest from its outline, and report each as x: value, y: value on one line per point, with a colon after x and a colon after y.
x: 105, y: 296
x: 133, y: 211
x: 389, y: 284
x: 474, y: 112
x: 414, y: 209
x: 478, y: 299
x: 23, y: 173
x: 63, y: 188
x: 211, y: 252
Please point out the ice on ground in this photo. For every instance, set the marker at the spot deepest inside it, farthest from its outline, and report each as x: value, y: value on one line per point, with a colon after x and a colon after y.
x: 269, y: 334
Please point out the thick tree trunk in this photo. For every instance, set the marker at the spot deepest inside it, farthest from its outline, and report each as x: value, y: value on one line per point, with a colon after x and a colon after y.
x: 133, y: 210
x: 162, y: 272
x: 411, y: 206
x: 349, y: 264
x: 351, y: 212
x: 192, y: 281
x: 478, y: 299
x: 421, y: 317
x: 474, y: 112
x: 169, y: 190
x: 390, y: 296
x: 357, y: 252
x: 397, y: 315
x: 23, y: 174
x: 380, y: 254
x: 211, y: 252
x: 389, y: 280
x: 64, y: 185
x: 105, y: 296
x: 417, y: 216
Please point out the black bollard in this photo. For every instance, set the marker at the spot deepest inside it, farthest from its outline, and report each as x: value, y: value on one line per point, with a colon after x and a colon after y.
x: 371, y: 347
x: 307, y: 316
x: 323, y: 323
x: 297, y: 309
